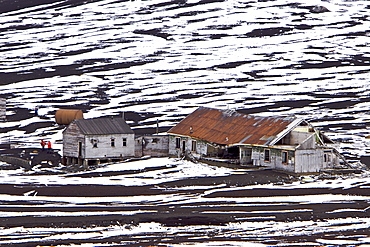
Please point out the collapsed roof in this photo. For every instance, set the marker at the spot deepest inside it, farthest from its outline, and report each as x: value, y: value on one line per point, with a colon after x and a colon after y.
x: 228, y: 127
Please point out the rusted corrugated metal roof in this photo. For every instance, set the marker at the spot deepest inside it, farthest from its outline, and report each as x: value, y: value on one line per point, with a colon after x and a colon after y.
x: 229, y: 127
x: 103, y: 126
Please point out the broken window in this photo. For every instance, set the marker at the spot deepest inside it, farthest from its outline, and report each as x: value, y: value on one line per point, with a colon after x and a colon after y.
x: 327, y: 157
x: 94, y: 143
x: 267, y: 155
x: 178, y: 141
x: 284, y: 157
x: 194, y: 146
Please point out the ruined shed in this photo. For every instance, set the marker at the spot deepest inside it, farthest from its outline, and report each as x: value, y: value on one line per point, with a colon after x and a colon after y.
x: 282, y: 143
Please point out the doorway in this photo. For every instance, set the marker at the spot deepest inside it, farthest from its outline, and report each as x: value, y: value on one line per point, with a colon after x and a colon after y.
x: 79, y: 149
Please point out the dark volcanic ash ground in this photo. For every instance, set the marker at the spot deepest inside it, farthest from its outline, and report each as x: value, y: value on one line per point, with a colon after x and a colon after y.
x: 160, y: 60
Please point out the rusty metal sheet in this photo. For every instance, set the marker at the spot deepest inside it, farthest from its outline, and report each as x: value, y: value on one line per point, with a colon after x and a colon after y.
x: 228, y: 127
x: 66, y: 116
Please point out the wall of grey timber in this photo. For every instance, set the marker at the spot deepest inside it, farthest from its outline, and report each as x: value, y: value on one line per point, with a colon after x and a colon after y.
x: 172, y: 150
x: 309, y: 161
x: 2, y: 110
x: 104, y: 148
x: 275, y: 162
x: 71, y: 137
x: 309, y: 143
x: 297, y: 137
x: 153, y: 145
x: 201, y: 149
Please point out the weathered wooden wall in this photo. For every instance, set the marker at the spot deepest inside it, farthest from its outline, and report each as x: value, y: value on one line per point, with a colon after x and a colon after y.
x: 71, y: 137
x: 246, y: 156
x: 2, y: 110
x: 297, y: 137
x: 276, y: 160
x: 153, y: 145
x: 308, y: 160
x: 104, y: 148
x: 202, y: 148
x: 309, y: 142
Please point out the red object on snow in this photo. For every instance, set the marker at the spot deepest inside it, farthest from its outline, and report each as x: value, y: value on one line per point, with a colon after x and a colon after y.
x: 43, y: 143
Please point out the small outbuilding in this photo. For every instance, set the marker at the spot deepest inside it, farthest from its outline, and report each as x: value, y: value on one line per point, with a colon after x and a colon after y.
x: 282, y: 143
x: 88, y: 141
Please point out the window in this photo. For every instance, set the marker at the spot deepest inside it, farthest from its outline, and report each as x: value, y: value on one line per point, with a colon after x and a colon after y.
x: 194, y: 146
x: 267, y: 154
x: 284, y: 157
x: 327, y: 157
x: 178, y: 141
x: 94, y: 143
x: 124, y: 142
x: 112, y: 142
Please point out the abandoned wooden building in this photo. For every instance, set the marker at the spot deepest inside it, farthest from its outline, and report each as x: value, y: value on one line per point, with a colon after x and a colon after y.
x: 282, y: 143
x: 88, y: 141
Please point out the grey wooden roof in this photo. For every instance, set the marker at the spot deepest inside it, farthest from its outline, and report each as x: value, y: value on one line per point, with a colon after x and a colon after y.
x: 103, y: 126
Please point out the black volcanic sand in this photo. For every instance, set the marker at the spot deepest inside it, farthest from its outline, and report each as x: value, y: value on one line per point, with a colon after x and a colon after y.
x: 10, y: 5
x: 215, y: 212
x: 37, y: 156
x: 181, y: 214
x: 187, y: 215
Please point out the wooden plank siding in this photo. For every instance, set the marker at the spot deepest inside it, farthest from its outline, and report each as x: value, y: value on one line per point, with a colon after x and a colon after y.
x: 152, y: 145
x: 71, y: 138
x: 2, y: 110
x: 104, y: 148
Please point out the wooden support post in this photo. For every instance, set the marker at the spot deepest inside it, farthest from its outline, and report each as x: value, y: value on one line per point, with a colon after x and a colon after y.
x: 85, y: 163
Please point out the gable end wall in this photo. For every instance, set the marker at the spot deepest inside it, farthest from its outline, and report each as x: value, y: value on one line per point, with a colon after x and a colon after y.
x: 71, y: 137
